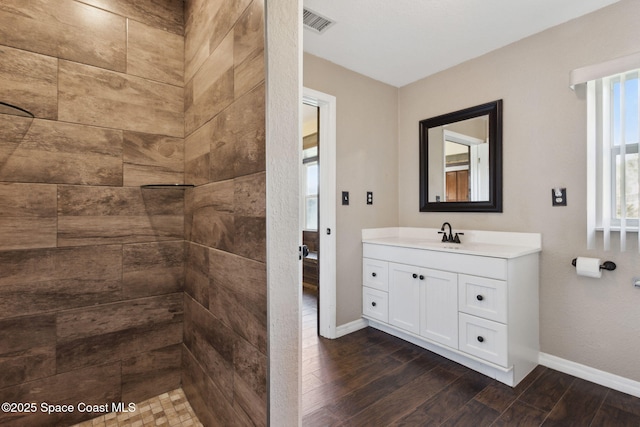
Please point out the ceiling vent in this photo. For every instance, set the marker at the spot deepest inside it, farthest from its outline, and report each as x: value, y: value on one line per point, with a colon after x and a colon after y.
x: 315, y: 22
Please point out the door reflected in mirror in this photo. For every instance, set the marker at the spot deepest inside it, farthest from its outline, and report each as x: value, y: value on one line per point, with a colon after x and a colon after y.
x: 461, y: 160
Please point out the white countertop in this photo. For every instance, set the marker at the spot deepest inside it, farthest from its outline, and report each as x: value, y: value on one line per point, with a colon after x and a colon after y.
x: 496, y: 244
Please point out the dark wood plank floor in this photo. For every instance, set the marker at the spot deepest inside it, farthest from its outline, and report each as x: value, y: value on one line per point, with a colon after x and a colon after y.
x: 369, y: 378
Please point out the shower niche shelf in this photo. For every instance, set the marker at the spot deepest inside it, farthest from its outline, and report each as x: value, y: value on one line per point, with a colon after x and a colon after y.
x: 166, y: 186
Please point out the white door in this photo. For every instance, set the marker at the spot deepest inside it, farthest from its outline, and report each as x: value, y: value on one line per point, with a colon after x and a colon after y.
x: 404, y: 297
x: 439, y: 306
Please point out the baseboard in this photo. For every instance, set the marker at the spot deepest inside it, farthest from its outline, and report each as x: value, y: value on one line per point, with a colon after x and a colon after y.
x: 350, y: 327
x: 597, y: 376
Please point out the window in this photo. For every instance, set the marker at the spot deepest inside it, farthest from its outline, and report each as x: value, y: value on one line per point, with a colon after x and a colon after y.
x: 614, y: 136
x: 310, y: 161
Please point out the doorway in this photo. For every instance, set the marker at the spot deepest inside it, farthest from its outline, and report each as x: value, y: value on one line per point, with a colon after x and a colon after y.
x: 324, y: 201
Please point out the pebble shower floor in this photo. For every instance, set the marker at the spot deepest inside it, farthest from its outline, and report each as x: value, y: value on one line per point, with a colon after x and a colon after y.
x: 168, y: 409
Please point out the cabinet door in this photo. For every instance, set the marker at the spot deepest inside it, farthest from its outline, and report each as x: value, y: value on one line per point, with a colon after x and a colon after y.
x: 439, y: 306
x: 404, y: 293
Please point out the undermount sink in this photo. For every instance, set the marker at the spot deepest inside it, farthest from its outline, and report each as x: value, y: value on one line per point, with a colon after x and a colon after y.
x: 483, y: 243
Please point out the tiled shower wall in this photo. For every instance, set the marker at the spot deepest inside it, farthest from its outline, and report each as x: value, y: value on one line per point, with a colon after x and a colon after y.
x: 224, y: 357
x: 91, y: 266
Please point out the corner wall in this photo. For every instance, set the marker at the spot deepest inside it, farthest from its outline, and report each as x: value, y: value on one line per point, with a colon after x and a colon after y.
x: 366, y: 160
x: 91, y: 266
x: 591, y: 322
x: 225, y: 326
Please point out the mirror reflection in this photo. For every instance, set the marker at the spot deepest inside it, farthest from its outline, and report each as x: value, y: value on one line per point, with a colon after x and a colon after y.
x: 461, y: 160
x: 462, y: 175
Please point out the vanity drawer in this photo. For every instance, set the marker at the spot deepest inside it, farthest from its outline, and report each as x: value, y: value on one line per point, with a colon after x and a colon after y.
x: 375, y: 274
x: 483, y: 338
x: 375, y: 304
x: 483, y: 297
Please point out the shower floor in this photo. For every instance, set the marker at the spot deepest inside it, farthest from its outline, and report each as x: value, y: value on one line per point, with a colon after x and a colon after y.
x: 168, y: 409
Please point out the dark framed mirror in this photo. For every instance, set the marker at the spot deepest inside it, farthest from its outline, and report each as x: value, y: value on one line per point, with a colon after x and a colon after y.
x: 461, y: 160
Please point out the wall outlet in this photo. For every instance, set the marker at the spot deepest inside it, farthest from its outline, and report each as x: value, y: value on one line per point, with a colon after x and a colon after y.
x: 369, y: 197
x: 559, y: 197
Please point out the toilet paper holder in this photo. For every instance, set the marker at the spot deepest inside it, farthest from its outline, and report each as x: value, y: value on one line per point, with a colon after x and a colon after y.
x: 607, y: 265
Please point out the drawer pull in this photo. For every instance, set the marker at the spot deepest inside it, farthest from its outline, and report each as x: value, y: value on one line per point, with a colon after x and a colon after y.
x: 421, y: 277
x: 479, y: 297
x: 480, y: 339
x: 373, y: 304
x: 374, y: 274
x: 415, y: 276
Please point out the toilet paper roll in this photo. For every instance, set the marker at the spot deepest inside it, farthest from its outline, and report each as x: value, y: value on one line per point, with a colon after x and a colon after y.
x: 588, y: 267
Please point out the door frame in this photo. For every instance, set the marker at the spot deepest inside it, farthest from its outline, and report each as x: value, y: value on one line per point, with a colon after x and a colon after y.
x: 327, y: 207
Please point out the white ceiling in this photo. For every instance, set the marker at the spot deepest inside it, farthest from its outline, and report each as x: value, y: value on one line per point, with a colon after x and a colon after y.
x: 401, y: 41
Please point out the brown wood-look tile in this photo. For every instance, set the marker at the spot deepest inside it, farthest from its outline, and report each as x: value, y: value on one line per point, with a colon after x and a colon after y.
x: 611, y: 416
x: 238, y: 295
x: 165, y: 14
x: 197, y: 147
x: 152, y: 159
x: 239, y: 138
x: 248, y: 36
x: 249, y: 195
x: 455, y: 395
x: 578, y: 405
x: 39, y: 280
x: 212, y: 343
x: 144, y: 375
x: 94, y: 96
x: 211, y: 89
x: 27, y: 80
x: 112, y: 332
x: 199, y: 18
x: 322, y: 417
x: 522, y: 415
x: 155, y: 54
x: 27, y: 216
x: 362, y: 398
x: 249, y: 74
x: 152, y: 269
x: 101, y: 215
x: 474, y: 414
x: 545, y: 392
x: 196, y: 274
x: 497, y: 396
x: 209, y: 216
x: 623, y: 401
x: 202, y: 391
x: 405, y: 399
x: 250, y: 237
x: 90, y: 321
x: 250, y: 382
x: 12, y: 129
x: 27, y: 349
x: 65, y: 153
x: 95, y: 385
x: 65, y: 29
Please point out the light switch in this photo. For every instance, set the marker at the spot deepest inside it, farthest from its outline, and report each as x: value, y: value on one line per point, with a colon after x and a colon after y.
x: 345, y: 197
x: 369, y: 197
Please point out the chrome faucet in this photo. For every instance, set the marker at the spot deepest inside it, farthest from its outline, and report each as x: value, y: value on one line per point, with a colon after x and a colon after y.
x: 450, y: 238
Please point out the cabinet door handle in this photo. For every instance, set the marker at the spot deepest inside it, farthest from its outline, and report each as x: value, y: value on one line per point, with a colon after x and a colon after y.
x: 415, y: 276
x: 373, y: 304
x: 374, y: 274
x: 480, y: 339
x: 421, y: 277
x: 479, y: 297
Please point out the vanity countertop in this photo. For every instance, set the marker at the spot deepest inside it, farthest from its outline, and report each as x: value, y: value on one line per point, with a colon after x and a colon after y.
x: 495, y: 244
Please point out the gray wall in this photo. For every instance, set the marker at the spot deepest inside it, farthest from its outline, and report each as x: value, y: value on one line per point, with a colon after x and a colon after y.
x: 366, y: 160
x: 593, y: 322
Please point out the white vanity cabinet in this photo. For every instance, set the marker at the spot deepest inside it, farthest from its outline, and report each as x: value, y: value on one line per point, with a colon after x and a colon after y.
x: 476, y: 304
